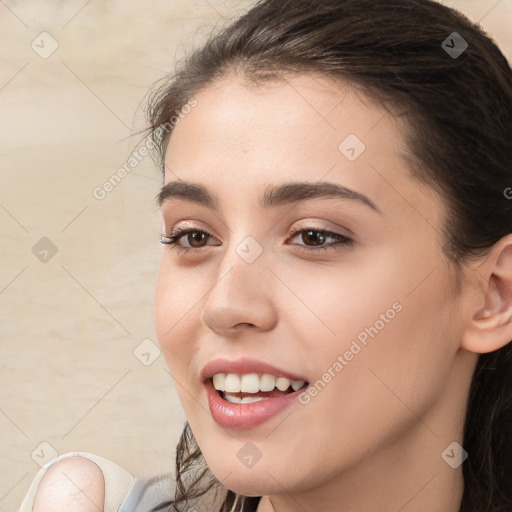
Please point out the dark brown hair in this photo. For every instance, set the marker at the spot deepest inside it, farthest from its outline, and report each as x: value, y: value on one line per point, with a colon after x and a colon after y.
x: 458, y: 110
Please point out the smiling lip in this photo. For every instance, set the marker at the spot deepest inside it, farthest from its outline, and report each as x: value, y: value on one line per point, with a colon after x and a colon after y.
x: 243, y: 416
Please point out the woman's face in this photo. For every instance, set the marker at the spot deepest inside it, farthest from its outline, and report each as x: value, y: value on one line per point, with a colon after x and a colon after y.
x: 317, y: 257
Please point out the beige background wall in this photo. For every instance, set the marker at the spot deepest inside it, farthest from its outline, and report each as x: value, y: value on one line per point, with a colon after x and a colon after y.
x: 70, y: 322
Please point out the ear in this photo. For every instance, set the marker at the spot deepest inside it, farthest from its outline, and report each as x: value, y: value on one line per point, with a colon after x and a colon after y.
x: 489, y: 326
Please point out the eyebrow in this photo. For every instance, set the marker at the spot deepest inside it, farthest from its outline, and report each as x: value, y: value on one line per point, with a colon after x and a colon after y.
x: 274, y: 195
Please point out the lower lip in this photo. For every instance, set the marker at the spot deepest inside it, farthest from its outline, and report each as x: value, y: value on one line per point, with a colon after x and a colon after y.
x: 244, y: 416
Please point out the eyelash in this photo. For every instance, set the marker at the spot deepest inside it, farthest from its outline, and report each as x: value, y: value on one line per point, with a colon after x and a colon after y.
x: 174, y: 237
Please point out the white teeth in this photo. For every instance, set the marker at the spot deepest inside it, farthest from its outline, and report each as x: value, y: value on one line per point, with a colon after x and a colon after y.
x: 245, y: 400
x: 252, y: 383
x: 282, y: 383
x: 232, y: 383
x: 218, y: 381
x: 233, y: 399
x: 297, y: 384
x: 267, y: 382
x: 251, y: 399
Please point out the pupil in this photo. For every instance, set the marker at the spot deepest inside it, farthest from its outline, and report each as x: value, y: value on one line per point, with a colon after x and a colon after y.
x: 196, y: 236
x: 319, y: 239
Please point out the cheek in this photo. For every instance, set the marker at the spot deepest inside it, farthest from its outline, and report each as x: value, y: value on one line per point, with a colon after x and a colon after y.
x: 330, y: 307
x: 175, y: 316
x: 378, y: 337
x: 420, y: 346
x: 400, y: 350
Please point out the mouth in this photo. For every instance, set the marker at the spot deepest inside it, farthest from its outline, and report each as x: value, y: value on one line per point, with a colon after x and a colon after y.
x: 246, y: 393
x: 252, y: 387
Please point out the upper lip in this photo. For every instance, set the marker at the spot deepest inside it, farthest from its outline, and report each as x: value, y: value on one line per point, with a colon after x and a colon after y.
x: 244, y: 366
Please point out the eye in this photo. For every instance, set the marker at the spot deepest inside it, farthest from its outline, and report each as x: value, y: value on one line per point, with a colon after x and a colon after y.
x: 318, y: 239
x: 193, y: 236
x: 196, y: 239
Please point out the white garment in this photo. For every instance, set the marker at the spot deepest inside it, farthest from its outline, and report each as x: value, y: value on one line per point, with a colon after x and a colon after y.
x: 123, y: 492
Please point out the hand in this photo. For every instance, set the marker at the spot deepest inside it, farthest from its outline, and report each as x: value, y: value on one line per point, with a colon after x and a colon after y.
x: 73, y: 484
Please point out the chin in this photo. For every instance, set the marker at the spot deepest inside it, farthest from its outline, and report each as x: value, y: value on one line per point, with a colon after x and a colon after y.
x: 264, y: 478
x: 255, y: 485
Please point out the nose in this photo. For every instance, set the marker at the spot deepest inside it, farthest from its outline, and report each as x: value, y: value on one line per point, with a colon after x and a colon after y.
x: 240, y: 298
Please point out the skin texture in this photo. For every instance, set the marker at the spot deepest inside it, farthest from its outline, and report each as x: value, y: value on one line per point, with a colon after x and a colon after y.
x: 372, y: 439
x: 74, y: 484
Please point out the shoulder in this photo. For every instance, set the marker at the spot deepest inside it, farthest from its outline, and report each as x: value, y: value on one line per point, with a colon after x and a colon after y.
x: 91, y: 483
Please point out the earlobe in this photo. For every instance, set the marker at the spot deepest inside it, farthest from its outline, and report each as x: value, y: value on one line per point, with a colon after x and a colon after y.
x: 490, y: 327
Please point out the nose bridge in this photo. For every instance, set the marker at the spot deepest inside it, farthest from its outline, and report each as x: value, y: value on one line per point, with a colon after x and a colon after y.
x: 242, y: 289
x: 242, y: 270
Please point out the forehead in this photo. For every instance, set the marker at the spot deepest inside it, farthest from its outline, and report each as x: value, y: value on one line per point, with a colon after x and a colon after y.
x: 282, y: 115
x: 241, y: 138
